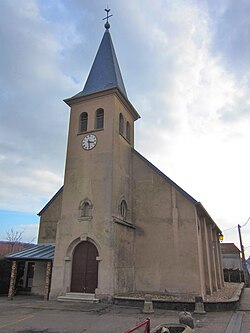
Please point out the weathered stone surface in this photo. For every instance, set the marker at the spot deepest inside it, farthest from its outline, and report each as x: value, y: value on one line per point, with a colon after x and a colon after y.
x: 199, y: 305
x: 186, y: 319
x: 148, y: 304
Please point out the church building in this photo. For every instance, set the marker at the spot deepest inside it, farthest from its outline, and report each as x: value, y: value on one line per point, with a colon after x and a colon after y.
x: 121, y: 226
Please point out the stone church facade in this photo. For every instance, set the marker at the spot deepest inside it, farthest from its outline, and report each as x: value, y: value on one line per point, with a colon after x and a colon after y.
x: 119, y: 224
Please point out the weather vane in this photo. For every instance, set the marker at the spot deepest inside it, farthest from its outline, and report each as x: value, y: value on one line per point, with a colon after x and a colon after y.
x: 107, y: 10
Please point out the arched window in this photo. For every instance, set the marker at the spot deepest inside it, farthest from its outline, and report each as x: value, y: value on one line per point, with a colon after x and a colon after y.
x: 85, y: 209
x: 128, y: 131
x: 83, y: 122
x: 121, y: 124
x: 99, y: 119
x: 123, y: 209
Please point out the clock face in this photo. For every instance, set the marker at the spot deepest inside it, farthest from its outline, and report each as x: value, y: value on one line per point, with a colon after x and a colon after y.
x: 89, y: 142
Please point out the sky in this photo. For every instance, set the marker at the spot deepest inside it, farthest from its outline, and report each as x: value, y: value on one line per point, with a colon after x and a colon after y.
x: 186, y: 68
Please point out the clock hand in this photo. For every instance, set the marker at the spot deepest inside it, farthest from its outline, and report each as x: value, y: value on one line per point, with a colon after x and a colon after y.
x: 89, y: 142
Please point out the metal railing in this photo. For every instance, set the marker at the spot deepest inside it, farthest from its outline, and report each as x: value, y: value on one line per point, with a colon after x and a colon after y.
x: 145, y: 323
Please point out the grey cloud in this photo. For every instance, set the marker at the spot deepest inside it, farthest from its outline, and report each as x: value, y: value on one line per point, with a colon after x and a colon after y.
x: 33, y: 125
x: 232, y: 33
x: 46, y: 58
x: 239, y: 111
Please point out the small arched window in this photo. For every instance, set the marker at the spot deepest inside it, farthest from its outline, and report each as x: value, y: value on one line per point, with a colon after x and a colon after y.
x: 123, y: 209
x: 83, y: 122
x: 99, y: 119
x: 121, y: 124
x: 128, y: 131
x: 85, y: 209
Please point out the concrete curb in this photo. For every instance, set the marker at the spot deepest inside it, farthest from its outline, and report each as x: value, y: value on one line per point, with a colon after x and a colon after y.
x: 209, y: 306
x: 226, y: 305
x: 238, y: 292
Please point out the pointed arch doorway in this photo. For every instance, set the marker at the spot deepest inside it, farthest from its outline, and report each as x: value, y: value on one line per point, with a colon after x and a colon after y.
x: 84, y: 277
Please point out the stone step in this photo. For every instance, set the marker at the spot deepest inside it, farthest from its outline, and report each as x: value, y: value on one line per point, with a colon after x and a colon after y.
x: 81, y: 295
x: 78, y: 297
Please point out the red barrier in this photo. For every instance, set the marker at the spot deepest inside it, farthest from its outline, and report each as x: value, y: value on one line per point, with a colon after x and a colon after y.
x: 145, y: 323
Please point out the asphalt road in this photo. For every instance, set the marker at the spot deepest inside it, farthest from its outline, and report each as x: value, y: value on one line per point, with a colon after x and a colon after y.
x: 32, y: 315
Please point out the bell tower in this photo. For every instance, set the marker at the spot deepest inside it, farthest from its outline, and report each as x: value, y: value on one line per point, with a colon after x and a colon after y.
x: 97, y: 194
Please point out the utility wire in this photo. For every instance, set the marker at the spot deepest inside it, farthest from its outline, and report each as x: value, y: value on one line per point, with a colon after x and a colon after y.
x: 246, y: 222
x: 229, y: 228
x: 237, y: 226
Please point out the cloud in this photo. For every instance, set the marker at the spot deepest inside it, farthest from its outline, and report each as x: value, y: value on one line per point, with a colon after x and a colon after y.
x: 231, y: 34
x: 186, y: 70
x: 197, y: 113
x: 34, y: 119
x: 28, y: 188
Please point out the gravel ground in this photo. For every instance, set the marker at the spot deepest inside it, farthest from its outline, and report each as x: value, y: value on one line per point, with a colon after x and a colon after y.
x: 221, y: 295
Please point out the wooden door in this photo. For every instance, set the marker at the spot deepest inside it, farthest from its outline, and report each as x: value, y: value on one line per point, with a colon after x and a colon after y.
x: 85, y: 268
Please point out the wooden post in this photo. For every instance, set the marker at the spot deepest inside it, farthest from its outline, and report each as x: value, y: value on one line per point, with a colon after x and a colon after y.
x: 243, y: 257
x: 47, y: 281
x: 12, y: 280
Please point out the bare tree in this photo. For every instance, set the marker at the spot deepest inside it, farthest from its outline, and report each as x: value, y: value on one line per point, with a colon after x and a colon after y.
x: 14, y: 237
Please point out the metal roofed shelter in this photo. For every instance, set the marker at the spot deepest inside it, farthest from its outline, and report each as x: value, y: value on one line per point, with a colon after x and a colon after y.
x: 40, y: 252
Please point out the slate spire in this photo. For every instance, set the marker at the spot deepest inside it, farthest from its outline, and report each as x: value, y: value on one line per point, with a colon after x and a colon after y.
x: 105, y: 72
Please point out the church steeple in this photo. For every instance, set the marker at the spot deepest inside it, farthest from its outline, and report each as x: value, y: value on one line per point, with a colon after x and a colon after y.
x: 105, y: 72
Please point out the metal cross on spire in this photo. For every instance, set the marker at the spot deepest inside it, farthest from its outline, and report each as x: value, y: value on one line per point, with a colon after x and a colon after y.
x: 107, y: 25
